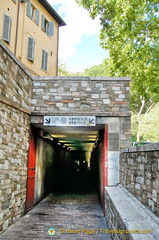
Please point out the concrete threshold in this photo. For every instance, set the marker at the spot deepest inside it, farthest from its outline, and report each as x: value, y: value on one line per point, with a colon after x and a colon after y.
x: 125, y: 212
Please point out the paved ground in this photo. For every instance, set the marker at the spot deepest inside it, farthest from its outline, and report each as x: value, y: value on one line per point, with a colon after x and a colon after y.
x: 72, y: 216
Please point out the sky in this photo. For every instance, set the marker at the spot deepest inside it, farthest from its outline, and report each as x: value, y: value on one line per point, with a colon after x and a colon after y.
x: 79, y: 40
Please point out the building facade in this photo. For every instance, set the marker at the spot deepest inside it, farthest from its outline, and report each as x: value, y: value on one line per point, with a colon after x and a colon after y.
x: 30, y: 29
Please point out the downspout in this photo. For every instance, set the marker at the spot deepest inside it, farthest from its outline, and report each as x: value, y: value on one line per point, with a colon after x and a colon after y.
x: 57, y: 51
x: 16, y: 34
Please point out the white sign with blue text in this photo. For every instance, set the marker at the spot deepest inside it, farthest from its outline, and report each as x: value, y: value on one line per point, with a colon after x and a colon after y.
x: 72, y: 121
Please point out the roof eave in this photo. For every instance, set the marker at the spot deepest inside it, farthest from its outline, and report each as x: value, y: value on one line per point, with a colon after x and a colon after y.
x: 53, y: 13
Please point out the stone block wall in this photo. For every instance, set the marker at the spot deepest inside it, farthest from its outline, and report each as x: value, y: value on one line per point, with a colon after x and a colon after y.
x: 127, y: 217
x: 81, y: 95
x: 115, y: 221
x: 139, y: 173
x: 15, y: 94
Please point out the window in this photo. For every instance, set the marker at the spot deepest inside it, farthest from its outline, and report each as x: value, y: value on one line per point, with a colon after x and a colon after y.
x: 7, y: 28
x: 47, y: 26
x: 44, y: 63
x: 30, y: 51
x: 33, y: 13
x: 14, y: 1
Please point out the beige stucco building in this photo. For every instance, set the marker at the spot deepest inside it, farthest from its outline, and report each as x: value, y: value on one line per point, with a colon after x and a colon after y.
x: 30, y: 29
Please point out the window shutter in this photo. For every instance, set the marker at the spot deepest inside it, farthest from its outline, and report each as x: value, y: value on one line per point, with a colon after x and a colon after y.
x: 44, y: 60
x: 30, y: 54
x: 43, y: 23
x: 7, y: 28
x: 51, y: 29
x: 37, y: 16
x: 28, y: 9
x: 42, y: 64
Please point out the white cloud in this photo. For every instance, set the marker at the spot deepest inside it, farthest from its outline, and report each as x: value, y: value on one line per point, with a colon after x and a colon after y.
x: 79, y: 24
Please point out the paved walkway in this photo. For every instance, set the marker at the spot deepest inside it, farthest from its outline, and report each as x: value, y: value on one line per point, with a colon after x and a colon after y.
x: 72, y: 216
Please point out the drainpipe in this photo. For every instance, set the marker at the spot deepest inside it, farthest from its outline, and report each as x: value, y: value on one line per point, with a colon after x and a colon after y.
x: 16, y: 33
x: 57, y: 51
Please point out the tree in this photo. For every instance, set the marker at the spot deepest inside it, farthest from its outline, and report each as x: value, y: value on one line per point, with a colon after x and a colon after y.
x: 130, y: 32
x: 95, y: 71
x: 62, y: 70
x: 149, y: 127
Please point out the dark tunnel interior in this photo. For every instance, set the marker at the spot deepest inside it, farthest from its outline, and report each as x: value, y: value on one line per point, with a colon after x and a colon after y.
x: 68, y: 160
x: 72, y: 173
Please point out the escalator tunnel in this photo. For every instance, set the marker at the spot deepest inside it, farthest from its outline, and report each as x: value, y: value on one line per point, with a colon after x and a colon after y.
x: 70, y: 160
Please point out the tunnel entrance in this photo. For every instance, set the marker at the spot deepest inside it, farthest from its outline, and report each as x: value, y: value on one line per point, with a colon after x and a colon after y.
x: 64, y: 160
x: 74, y: 171
x: 57, y: 101
x: 75, y: 159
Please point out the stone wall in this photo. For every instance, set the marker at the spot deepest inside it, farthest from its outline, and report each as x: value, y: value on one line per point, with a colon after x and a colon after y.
x: 127, y: 217
x: 114, y: 219
x: 15, y: 94
x: 139, y: 173
x: 81, y: 95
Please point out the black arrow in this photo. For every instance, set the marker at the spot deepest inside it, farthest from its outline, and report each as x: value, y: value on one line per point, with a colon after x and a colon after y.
x: 91, y: 120
x: 47, y: 121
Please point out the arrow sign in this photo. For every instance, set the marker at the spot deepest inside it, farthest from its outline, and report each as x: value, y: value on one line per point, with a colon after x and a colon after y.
x: 91, y: 121
x: 76, y: 121
x: 47, y: 121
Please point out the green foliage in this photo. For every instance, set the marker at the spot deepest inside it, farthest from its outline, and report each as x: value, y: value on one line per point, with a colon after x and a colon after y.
x: 63, y: 72
x: 134, y: 125
x: 95, y: 71
x: 130, y: 32
x: 149, y: 125
x: 101, y: 70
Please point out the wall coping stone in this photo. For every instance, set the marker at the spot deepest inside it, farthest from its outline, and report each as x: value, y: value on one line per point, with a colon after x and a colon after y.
x: 142, y: 148
x: 133, y: 213
x: 83, y: 78
x: 108, y: 114
x: 14, y: 105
